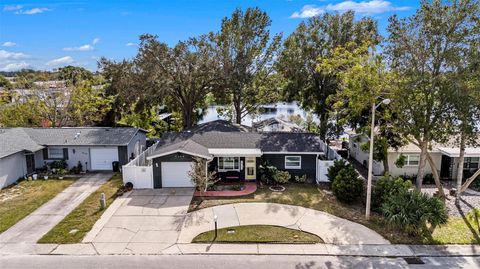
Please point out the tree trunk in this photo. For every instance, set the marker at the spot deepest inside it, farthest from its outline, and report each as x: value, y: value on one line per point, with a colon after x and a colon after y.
x: 421, y: 165
x: 237, y: 104
x: 469, y: 181
x: 187, y: 117
x: 461, y: 161
x: 436, y: 176
x: 386, y: 167
x: 323, y: 126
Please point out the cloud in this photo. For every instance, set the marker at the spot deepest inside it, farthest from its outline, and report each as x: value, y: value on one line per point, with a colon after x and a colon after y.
x: 130, y: 44
x: 307, y: 12
x: 33, y: 11
x: 8, y: 55
x: 60, y: 61
x: 12, y: 7
x: 14, y: 66
x: 363, y: 7
x: 86, y: 47
x: 9, y: 44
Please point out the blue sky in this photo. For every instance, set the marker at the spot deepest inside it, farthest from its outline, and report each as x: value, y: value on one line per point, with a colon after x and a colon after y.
x: 50, y: 34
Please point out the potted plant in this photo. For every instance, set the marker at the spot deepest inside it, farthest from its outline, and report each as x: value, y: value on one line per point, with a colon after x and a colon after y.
x: 34, y: 176
x: 61, y: 173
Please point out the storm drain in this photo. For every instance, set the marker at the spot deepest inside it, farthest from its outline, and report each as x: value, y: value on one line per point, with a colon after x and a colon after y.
x: 413, y: 260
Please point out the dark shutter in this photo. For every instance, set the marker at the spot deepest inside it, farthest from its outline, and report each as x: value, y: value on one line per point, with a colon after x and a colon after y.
x: 45, y: 154
x: 65, y: 153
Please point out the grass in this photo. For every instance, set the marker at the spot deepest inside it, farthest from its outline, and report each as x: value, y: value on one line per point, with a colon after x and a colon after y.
x: 19, y: 201
x: 84, y: 216
x: 457, y: 230
x: 257, y: 234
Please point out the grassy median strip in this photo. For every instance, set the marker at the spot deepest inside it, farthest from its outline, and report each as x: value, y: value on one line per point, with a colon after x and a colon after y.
x: 258, y: 234
x: 19, y: 201
x: 80, y: 221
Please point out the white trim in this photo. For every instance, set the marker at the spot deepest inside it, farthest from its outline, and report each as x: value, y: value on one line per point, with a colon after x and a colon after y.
x: 294, y: 152
x: 235, y: 152
x: 226, y: 170
x: 178, y: 151
x: 293, y: 167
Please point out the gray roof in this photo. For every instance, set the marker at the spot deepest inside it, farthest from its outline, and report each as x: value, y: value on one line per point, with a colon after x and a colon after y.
x: 220, y: 126
x: 86, y: 136
x: 16, y: 140
x: 188, y: 146
x: 13, y: 140
x: 266, y: 142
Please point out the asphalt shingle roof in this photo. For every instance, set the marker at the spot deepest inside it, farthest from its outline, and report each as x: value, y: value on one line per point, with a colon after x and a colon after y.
x: 266, y: 142
x: 13, y: 140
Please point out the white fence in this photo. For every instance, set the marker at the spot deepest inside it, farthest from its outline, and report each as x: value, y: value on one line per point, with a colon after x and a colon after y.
x: 323, y: 170
x: 139, y: 171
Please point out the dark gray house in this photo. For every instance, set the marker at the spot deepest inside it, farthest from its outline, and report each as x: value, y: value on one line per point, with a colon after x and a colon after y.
x: 235, y: 152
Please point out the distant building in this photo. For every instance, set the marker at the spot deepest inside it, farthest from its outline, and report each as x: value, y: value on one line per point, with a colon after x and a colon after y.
x: 276, y: 125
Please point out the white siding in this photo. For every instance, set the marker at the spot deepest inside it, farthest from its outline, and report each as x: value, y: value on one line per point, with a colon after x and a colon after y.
x: 11, y: 168
x: 140, y: 137
x: 411, y: 170
x: 361, y: 156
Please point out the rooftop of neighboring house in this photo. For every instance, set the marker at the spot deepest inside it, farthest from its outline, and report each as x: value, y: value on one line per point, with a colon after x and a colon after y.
x: 450, y: 148
x: 221, y: 134
x: 284, y: 125
x: 13, y: 140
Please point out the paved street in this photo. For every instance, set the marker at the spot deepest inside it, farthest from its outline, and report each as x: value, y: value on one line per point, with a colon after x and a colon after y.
x: 229, y: 261
x: 332, y: 229
x: 34, y: 226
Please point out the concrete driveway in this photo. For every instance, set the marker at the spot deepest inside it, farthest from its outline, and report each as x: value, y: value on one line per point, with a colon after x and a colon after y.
x: 34, y: 226
x: 146, y: 221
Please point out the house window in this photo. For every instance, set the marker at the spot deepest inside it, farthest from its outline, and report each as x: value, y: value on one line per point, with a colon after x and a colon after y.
x: 471, y: 163
x: 55, y: 153
x: 293, y: 162
x: 228, y: 163
x: 412, y: 159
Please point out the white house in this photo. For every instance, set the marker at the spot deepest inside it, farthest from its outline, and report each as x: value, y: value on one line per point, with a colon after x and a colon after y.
x: 22, y: 150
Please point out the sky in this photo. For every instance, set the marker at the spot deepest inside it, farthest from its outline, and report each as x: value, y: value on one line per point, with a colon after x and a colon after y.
x: 46, y: 35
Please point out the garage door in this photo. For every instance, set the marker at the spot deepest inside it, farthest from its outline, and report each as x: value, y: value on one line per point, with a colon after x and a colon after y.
x: 102, y: 158
x: 175, y: 174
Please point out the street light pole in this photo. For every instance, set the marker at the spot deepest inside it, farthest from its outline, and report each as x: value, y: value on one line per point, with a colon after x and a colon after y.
x: 370, y: 164
x: 370, y: 158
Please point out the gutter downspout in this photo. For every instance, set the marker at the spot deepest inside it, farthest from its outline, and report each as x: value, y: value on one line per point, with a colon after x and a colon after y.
x: 316, y: 168
x: 206, y: 173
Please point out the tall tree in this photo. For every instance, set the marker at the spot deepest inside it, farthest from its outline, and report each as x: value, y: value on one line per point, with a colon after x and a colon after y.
x: 317, y: 38
x: 74, y: 75
x: 246, y: 52
x: 421, y: 50
x: 185, y: 73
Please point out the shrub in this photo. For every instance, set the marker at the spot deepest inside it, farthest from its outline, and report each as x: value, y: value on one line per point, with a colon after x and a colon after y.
x: 347, y: 186
x: 301, y: 179
x: 60, y: 164
x: 414, y: 211
x: 267, y: 173
x: 335, y: 168
x: 387, y: 186
x: 281, y: 177
x: 428, y: 179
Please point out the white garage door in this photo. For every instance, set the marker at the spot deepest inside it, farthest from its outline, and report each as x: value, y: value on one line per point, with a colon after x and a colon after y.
x: 102, y: 158
x: 175, y: 174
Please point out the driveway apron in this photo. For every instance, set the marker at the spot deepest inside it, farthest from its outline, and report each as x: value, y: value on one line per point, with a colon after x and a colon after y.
x: 34, y: 226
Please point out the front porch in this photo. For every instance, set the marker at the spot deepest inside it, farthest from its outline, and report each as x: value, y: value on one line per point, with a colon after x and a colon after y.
x: 235, y: 165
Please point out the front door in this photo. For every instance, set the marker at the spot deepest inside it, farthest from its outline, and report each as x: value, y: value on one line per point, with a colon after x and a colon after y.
x: 250, y: 168
x: 30, y: 158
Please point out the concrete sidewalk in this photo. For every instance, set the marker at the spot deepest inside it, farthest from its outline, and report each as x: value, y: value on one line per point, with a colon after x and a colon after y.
x: 390, y: 250
x: 30, y: 229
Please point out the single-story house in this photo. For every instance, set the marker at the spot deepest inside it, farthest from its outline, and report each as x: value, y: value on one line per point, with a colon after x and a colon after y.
x: 234, y: 152
x: 276, y: 124
x: 22, y: 150
x: 445, y: 157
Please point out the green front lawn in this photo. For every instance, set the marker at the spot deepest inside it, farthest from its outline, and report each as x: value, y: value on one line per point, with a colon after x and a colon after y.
x: 257, y: 234
x: 80, y: 221
x: 19, y: 201
x: 456, y: 231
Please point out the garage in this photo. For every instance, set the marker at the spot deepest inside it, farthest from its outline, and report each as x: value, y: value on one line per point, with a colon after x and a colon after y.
x: 102, y: 158
x: 175, y: 174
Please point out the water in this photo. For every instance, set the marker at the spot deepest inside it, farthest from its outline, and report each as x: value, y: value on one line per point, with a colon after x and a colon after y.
x: 280, y: 109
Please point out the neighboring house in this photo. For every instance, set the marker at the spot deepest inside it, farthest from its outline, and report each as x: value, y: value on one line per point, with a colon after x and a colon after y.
x: 234, y: 151
x: 276, y: 125
x: 445, y: 157
x: 22, y: 150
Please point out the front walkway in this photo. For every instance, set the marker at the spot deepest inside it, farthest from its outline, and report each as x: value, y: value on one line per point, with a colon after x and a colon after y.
x: 34, y: 226
x: 332, y: 229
